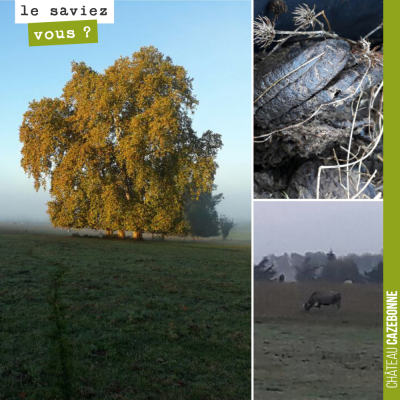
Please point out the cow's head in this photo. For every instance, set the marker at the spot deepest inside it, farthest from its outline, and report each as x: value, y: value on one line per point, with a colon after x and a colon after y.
x: 307, y: 306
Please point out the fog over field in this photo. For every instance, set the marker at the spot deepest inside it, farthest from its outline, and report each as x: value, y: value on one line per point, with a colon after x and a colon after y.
x: 302, y: 226
x: 23, y: 204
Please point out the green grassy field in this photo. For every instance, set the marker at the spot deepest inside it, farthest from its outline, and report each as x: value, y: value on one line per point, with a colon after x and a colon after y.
x: 326, y: 354
x: 84, y: 318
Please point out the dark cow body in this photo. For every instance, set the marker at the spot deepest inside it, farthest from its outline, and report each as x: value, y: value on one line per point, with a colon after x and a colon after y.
x: 318, y: 299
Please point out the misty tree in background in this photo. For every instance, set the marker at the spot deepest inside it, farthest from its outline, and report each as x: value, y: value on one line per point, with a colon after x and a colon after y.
x: 203, y: 216
x: 118, y: 148
x: 331, y: 256
x: 376, y: 274
x: 340, y: 270
x: 307, y: 271
x: 366, y: 261
x: 264, y: 270
x: 226, y: 225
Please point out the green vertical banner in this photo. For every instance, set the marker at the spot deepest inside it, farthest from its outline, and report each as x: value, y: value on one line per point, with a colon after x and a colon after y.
x: 64, y: 32
x: 391, y: 213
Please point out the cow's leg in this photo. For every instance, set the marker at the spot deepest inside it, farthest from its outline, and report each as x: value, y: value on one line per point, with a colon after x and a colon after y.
x: 317, y: 305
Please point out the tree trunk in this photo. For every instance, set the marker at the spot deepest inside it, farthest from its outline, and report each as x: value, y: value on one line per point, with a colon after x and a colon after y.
x: 163, y: 238
x: 109, y: 232
x: 121, y: 234
x: 137, y: 235
x: 152, y: 237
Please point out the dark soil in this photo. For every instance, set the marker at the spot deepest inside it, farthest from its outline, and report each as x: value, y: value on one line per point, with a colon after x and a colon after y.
x: 290, y: 86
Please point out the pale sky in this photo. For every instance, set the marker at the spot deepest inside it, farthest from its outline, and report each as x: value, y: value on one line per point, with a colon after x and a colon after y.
x: 211, y: 39
x: 301, y: 226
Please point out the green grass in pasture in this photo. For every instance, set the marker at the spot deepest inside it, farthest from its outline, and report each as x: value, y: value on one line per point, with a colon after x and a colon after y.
x: 327, y: 354
x: 106, y: 319
x: 295, y: 361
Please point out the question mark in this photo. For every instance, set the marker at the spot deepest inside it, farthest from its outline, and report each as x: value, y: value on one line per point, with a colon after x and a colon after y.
x: 87, y: 30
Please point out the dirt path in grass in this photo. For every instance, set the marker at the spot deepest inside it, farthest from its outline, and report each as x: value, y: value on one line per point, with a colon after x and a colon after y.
x: 58, y: 334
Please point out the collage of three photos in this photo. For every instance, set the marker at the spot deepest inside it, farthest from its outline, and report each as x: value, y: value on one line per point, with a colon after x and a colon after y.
x: 192, y: 203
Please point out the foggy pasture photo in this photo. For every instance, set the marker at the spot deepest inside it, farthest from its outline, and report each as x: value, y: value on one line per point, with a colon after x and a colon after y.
x: 318, y: 272
x: 125, y: 258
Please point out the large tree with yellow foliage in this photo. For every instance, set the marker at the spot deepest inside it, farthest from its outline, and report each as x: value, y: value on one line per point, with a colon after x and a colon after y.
x: 118, y: 148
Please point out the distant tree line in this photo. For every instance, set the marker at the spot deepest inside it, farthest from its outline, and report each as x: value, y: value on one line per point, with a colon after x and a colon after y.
x: 332, y: 270
x: 264, y: 270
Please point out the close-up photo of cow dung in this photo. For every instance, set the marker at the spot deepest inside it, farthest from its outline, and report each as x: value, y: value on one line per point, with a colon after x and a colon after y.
x: 318, y: 100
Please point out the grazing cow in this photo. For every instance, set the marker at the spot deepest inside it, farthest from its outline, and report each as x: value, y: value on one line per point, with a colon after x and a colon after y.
x: 281, y: 278
x: 326, y: 298
x: 348, y: 282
